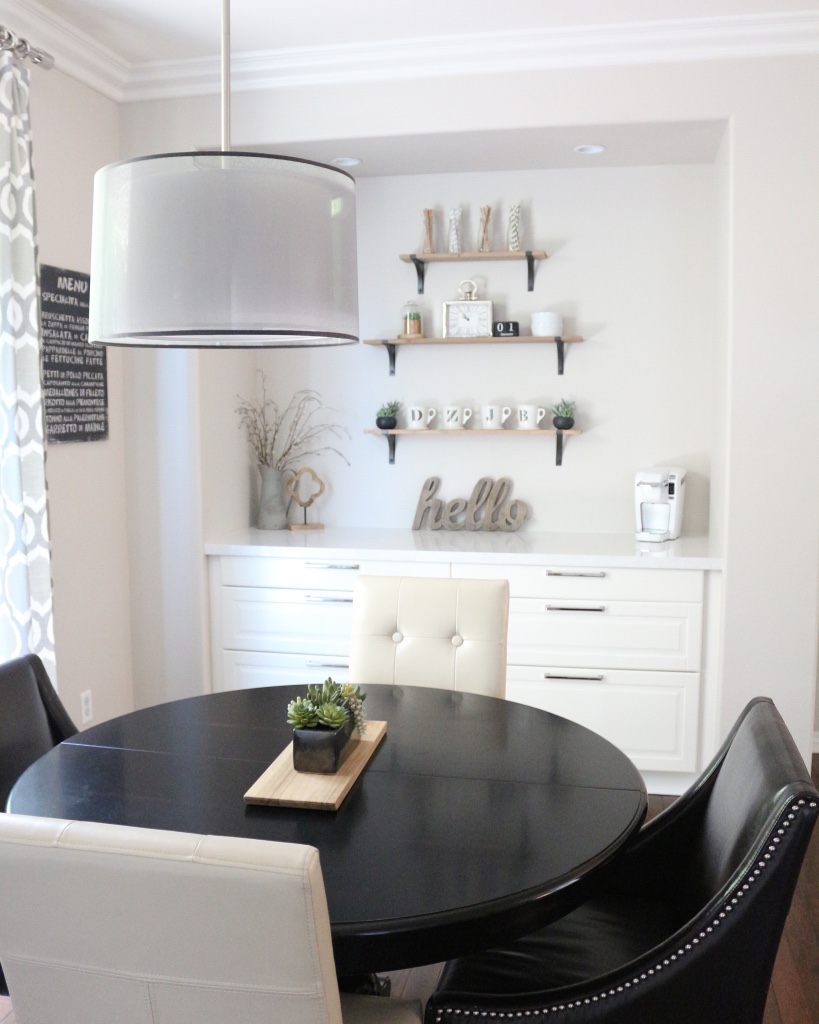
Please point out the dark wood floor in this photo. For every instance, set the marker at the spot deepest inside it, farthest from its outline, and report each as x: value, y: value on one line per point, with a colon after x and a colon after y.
x: 794, y: 994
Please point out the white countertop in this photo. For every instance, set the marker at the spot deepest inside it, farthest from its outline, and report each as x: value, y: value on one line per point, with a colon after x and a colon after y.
x: 614, y: 550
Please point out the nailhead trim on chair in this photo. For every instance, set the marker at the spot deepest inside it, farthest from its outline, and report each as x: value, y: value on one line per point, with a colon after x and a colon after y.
x: 750, y: 878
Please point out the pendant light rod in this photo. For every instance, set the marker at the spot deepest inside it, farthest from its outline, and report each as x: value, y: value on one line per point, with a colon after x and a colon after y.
x: 225, y: 76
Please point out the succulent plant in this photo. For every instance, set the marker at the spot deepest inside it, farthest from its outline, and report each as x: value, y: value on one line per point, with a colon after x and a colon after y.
x: 354, y: 700
x: 389, y: 409
x: 332, y: 715
x: 329, y: 704
x: 302, y: 713
x: 564, y: 408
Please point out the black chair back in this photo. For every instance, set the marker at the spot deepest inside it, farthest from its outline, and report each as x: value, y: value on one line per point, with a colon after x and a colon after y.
x: 687, y: 926
x: 32, y: 721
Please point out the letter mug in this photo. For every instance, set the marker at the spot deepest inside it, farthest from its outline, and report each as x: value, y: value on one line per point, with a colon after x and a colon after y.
x: 494, y: 416
x: 419, y: 418
x: 530, y: 416
x: 456, y: 417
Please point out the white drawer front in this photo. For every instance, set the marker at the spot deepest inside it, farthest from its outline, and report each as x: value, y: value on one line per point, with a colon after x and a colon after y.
x: 651, y: 716
x: 287, y: 621
x: 317, y: 573
x: 579, y: 583
x: 244, y: 669
x: 617, y: 634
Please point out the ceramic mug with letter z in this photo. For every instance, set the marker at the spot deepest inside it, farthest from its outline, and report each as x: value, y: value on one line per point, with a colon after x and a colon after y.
x: 455, y: 416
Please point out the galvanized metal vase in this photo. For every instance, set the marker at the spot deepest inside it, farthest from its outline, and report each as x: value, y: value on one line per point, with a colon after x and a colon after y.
x: 273, y: 500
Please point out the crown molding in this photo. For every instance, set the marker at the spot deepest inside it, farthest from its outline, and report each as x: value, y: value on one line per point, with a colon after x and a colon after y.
x: 689, y: 39
x: 75, y: 52
x: 671, y: 41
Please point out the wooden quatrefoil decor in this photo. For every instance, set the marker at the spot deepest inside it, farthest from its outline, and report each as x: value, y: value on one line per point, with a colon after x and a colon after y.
x: 293, y: 488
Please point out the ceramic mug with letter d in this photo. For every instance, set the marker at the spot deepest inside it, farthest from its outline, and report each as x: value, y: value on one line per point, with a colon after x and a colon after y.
x: 419, y: 417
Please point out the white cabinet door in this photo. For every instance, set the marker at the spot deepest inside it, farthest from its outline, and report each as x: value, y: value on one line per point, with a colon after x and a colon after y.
x: 317, y: 573
x: 286, y: 621
x: 617, y: 634
x: 244, y: 669
x: 651, y: 716
x: 583, y: 583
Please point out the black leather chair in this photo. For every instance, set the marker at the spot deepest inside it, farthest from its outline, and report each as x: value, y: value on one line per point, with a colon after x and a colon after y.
x: 32, y: 721
x: 686, y: 925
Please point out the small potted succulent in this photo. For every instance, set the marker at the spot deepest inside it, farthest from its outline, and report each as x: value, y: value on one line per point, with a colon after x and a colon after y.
x: 323, y: 724
x: 563, y: 415
x: 385, y: 417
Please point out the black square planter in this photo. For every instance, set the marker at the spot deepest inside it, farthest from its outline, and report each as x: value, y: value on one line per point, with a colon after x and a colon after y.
x: 320, y: 749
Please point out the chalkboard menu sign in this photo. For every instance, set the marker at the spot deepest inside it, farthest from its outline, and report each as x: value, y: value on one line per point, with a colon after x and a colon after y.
x: 75, y: 374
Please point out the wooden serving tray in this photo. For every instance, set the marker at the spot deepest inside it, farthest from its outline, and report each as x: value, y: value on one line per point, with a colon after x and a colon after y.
x: 282, y: 786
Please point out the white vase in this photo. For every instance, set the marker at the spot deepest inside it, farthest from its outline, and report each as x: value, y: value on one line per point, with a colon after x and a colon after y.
x: 273, y: 501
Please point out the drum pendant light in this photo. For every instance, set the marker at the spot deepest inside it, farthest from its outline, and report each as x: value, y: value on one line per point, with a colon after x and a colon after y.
x: 204, y: 249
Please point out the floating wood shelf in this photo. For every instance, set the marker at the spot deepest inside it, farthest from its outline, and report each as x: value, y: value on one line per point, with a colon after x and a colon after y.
x: 420, y: 259
x: 391, y: 436
x: 391, y: 343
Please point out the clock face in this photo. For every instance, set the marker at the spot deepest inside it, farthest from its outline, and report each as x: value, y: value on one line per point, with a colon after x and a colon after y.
x: 467, y: 319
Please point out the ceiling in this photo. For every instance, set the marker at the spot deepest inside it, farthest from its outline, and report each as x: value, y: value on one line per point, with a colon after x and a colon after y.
x: 626, y: 145
x: 138, y: 31
x: 133, y: 50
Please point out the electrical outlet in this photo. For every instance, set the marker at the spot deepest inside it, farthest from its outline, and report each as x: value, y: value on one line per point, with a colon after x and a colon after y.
x: 86, y: 707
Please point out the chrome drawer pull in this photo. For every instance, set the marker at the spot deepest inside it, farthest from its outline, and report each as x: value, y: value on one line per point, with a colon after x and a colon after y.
x: 328, y: 600
x: 328, y: 565
x: 314, y: 663
x: 580, y: 679
x: 574, y: 608
x: 578, y: 575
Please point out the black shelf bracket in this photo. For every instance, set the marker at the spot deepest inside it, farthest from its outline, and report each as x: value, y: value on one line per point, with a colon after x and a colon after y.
x: 391, y: 439
x: 561, y: 352
x: 559, y: 448
x: 390, y: 347
x: 419, y: 269
x: 530, y: 263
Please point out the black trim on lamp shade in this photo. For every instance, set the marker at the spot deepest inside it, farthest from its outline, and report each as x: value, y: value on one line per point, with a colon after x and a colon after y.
x: 231, y: 152
x: 237, y: 340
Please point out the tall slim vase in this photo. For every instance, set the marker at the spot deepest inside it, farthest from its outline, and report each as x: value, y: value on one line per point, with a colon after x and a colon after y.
x: 273, y: 500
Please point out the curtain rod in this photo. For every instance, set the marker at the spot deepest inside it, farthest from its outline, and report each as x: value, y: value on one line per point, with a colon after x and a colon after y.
x: 20, y: 48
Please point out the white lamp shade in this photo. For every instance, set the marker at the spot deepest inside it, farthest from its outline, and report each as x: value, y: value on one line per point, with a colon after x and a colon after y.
x: 233, y: 249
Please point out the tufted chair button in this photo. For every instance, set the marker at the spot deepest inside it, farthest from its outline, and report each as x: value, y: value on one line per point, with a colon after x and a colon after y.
x: 397, y: 637
x: 457, y: 640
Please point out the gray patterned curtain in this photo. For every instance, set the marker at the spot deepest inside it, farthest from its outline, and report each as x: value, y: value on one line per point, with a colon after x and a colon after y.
x: 26, y: 624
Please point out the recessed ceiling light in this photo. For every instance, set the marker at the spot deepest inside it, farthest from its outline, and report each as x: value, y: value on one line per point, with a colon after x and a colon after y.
x: 589, y: 149
x: 346, y: 161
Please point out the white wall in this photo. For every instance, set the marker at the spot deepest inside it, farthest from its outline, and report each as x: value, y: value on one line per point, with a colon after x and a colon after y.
x: 632, y: 269
x: 75, y: 131
x: 765, y: 224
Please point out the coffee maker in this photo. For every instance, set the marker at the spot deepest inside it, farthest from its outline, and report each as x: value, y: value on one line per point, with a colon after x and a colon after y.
x: 659, y: 495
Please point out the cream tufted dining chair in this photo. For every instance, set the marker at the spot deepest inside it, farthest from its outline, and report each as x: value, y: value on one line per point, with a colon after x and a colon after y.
x: 111, y: 923
x: 417, y: 631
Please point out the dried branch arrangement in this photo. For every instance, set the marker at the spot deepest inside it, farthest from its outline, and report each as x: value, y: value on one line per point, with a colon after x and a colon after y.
x: 280, y: 438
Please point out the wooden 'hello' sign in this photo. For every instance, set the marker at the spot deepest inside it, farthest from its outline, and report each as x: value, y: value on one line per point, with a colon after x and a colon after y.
x: 487, y: 508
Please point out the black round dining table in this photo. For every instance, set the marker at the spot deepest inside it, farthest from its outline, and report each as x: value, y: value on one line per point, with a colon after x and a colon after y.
x: 476, y: 820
